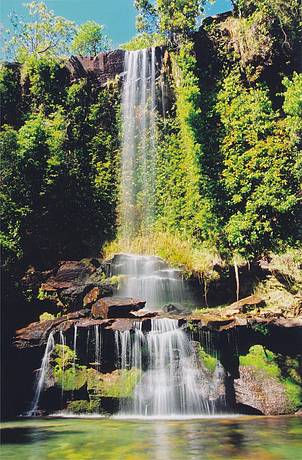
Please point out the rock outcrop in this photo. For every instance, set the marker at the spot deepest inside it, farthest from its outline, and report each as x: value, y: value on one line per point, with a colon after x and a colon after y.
x: 120, y: 317
x: 112, y: 307
x: 257, y: 390
x: 103, y: 67
x: 72, y: 285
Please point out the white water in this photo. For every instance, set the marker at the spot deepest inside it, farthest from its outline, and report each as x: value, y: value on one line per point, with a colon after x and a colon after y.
x: 172, y: 383
x: 63, y: 344
x: 41, y: 375
x: 98, y: 347
x: 139, y: 147
x: 149, y: 278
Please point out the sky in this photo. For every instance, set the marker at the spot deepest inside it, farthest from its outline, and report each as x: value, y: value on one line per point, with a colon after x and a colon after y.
x: 118, y: 16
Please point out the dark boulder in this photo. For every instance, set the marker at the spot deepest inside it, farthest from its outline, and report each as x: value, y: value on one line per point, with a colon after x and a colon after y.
x: 175, y: 309
x: 36, y: 334
x: 94, y: 294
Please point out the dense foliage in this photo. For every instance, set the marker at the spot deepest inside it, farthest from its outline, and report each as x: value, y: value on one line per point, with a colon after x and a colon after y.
x: 58, y: 164
x: 90, y: 39
x: 228, y: 156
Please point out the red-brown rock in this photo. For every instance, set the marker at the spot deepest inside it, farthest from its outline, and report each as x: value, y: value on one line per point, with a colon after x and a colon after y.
x: 257, y: 389
x: 92, y: 296
x: 103, y: 67
x: 110, y: 307
x: 144, y: 314
x: 68, y: 274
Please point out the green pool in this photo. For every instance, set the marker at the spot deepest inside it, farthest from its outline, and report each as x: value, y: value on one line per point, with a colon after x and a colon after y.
x: 257, y: 438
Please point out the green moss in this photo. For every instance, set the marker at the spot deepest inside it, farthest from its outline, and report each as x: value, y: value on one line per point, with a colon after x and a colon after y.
x: 114, y: 280
x: 70, y: 379
x: 209, y: 361
x: 63, y: 356
x: 117, y: 384
x: 260, y: 358
x: 46, y: 317
x: 49, y: 296
x: 68, y: 375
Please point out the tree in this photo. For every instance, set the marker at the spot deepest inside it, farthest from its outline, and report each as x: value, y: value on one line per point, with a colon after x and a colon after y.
x: 146, y: 19
x: 260, y: 170
x: 178, y: 16
x: 46, y: 34
x: 171, y: 17
x: 286, y: 16
x: 293, y: 107
x: 90, y: 39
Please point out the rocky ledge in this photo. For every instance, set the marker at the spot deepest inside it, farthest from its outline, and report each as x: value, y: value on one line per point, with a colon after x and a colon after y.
x: 109, y: 313
x: 113, y: 313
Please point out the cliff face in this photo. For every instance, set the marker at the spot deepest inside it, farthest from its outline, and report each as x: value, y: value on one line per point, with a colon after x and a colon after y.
x: 103, y: 67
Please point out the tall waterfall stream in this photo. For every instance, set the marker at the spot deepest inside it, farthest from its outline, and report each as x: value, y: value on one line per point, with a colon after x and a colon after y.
x: 173, y: 381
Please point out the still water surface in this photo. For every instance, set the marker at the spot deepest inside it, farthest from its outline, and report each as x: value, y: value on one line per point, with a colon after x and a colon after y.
x: 244, y: 438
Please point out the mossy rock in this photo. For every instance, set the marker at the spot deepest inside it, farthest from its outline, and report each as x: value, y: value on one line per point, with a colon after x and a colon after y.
x: 72, y: 378
x: 117, y: 384
x: 209, y: 361
x: 268, y: 382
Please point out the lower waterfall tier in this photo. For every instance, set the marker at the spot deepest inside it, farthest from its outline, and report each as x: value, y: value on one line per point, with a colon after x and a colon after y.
x: 172, y: 381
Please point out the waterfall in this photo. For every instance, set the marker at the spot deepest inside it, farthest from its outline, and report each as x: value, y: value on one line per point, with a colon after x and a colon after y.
x: 139, y: 149
x: 42, y: 373
x: 98, y: 346
x: 149, y: 278
x: 62, y: 343
x: 172, y: 383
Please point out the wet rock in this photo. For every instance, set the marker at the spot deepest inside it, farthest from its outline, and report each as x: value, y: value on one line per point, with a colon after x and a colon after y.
x: 90, y: 322
x: 36, y: 334
x: 78, y: 314
x: 121, y: 324
x: 110, y: 307
x: 32, y: 335
x: 144, y: 314
x: 67, y: 284
x: 73, y: 297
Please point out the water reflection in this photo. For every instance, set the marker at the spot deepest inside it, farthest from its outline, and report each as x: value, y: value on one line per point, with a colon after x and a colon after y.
x: 241, y: 438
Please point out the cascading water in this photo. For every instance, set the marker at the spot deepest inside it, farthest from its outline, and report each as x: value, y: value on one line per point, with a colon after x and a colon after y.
x: 150, y: 278
x: 40, y: 380
x: 172, y: 383
x: 63, y: 344
x: 171, y: 380
x: 138, y: 151
x: 146, y: 277
x: 98, y: 347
